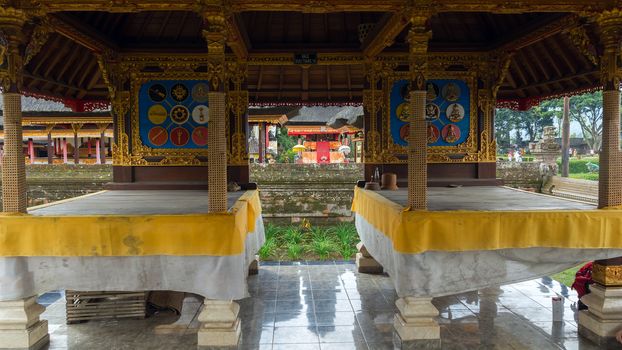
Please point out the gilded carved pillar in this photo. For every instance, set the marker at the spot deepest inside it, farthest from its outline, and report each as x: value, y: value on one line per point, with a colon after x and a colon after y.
x: 237, y: 104
x: 14, y: 196
x: 214, y: 34
x: 116, y: 75
x: 417, y: 139
x: 416, y: 319
x: 604, y: 315
x: 20, y: 326
x: 610, y: 179
x: 372, y: 102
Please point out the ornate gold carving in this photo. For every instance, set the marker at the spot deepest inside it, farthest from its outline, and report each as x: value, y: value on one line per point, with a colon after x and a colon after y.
x: 610, y: 25
x: 607, y: 275
x: 237, y: 106
x: 215, y: 37
x: 39, y: 37
x: 418, y: 38
x: 11, y: 30
x: 582, y: 41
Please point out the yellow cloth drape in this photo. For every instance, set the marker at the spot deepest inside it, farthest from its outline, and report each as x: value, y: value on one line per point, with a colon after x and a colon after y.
x: 415, y: 232
x: 131, y: 235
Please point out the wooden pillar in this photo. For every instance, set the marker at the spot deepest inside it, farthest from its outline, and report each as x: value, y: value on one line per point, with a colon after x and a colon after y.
x: 217, y: 137
x: 102, y: 148
x: 566, y: 138
x: 14, y: 198
x: 604, y: 315
x: 31, y: 151
x: 50, y: 149
x: 64, y: 150
x: 88, y: 142
x: 76, y: 149
x: 20, y: 326
x: 262, y: 142
x: 417, y: 140
x: 98, y: 159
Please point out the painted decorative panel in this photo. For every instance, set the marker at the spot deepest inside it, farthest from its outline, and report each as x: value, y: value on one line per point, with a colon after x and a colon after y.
x: 173, y: 114
x: 448, y: 112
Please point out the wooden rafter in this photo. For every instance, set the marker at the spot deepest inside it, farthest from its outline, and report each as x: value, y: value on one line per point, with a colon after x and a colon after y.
x: 536, y: 32
x: 326, y: 6
x: 236, y: 38
x: 552, y: 62
x: 81, y: 34
x: 378, y: 39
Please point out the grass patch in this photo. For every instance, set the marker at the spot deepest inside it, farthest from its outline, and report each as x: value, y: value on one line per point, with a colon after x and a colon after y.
x: 566, y: 277
x: 308, y: 242
x: 585, y: 176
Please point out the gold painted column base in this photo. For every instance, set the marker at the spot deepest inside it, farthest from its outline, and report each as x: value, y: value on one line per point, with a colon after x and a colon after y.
x: 604, y: 315
x: 220, y: 324
x: 20, y: 326
x: 365, y: 263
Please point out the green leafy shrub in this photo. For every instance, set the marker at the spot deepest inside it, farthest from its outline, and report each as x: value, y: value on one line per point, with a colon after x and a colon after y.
x: 294, y: 251
x: 347, y: 251
x: 323, y: 247
x: 577, y: 166
x: 292, y: 235
x: 318, y: 233
x: 272, y: 230
x: 268, y: 250
x: 345, y: 233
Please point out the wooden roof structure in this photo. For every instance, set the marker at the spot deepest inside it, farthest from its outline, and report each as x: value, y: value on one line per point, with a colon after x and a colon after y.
x: 553, y: 47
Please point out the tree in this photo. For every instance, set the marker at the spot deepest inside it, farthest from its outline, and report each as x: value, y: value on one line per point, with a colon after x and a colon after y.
x: 587, y: 110
x: 506, y: 121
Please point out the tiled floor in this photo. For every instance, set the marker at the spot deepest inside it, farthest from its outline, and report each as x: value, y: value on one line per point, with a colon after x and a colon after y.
x: 331, y: 306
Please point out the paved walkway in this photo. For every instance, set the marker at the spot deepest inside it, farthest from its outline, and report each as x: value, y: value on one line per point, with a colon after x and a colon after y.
x: 331, y: 306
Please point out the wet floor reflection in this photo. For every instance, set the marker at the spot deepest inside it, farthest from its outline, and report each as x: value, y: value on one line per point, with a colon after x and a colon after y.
x: 331, y: 306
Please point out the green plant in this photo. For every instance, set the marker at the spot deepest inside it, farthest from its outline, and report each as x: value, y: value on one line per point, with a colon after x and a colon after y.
x: 272, y: 230
x: 323, y: 247
x: 294, y: 251
x: 268, y: 250
x: 292, y: 235
x: 346, y: 233
x: 347, y: 251
x: 318, y: 233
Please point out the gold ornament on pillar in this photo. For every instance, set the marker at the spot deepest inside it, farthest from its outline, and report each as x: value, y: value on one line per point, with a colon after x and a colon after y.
x: 215, y: 35
x: 610, y: 25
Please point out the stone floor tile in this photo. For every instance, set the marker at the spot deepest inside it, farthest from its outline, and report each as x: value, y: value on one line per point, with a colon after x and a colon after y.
x: 295, y: 335
x: 343, y: 346
x: 295, y: 319
x: 332, y: 305
x: 337, y: 318
x: 340, y: 334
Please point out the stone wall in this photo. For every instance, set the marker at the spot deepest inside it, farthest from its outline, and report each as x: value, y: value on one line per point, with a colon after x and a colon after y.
x: 524, y: 175
x: 320, y: 193
x: 49, y: 183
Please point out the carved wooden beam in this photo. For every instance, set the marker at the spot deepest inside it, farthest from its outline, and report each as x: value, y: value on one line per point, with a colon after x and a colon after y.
x: 326, y: 6
x: 236, y: 37
x: 538, y: 32
x: 383, y: 37
x: 81, y: 34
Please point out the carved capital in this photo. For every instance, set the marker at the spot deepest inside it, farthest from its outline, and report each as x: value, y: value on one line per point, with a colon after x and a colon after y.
x: 610, y: 27
x: 215, y: 35
x: 11, y: 42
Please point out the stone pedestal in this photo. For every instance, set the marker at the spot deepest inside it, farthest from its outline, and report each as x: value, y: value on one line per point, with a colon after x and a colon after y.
x: 220, y: 324
x: 253, y: 268
x: 20, y: 327
x: 365, y: 262
x: 604, y: 315
x: 416, y: 322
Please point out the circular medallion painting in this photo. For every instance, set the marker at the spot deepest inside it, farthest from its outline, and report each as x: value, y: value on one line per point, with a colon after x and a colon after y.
x: 431, y: 112
x: 433, y: 133
x: 431, y: 91
x: 455, y: 112
x: 157, y: 114
x: 179, y: 92
x: 157, y: 92
x: 200, y: 113
x: 404, y: 132
x: 403, y: 111
x: 157, y: 136
x: 199, y: 92
x: 451, y: 133
x: 180, y: 114
x: 199, y: 136
x: 451, y: 92
x: 179, y: 136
